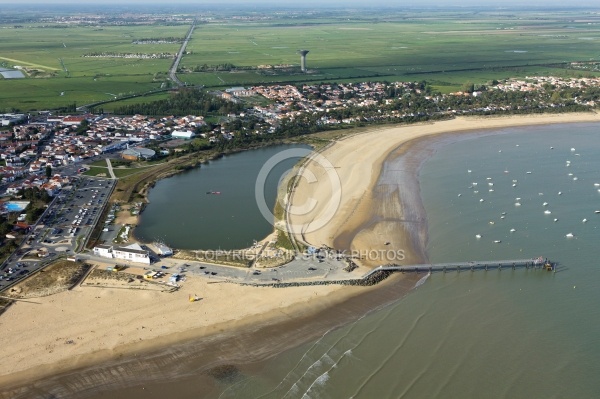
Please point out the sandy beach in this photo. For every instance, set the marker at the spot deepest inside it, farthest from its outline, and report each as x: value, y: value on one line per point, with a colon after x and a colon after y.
x: 89, y: 325
x: 98, y: 322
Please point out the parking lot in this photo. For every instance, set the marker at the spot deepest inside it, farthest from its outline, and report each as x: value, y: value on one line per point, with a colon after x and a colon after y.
x: 302, y: 268
x: 63, y: 228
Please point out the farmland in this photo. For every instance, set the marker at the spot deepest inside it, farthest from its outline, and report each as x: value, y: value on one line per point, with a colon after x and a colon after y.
x: 445, y: 48
x: 59, y: 74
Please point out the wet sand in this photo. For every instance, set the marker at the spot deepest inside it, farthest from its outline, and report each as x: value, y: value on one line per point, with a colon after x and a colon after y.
x: 173, y: 363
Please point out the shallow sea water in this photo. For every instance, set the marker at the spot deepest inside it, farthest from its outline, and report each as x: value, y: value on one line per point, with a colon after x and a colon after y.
x: 495, y: 334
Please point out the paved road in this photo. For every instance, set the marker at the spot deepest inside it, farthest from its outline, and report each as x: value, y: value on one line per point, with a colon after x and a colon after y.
x: 110, y: 169
x: 173, y: 70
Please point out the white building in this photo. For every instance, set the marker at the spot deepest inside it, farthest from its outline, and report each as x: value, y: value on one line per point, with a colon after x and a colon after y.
x: 133, y: 253
x: 184, y: 134
x: 103, y: 250
x: 7, y: 119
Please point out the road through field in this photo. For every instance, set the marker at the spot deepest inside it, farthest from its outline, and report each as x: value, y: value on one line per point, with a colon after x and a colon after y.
x: 173, y: 70
x: 29, y: 63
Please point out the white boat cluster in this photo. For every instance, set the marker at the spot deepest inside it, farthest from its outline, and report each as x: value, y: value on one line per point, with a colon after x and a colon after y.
x: 517, y: 203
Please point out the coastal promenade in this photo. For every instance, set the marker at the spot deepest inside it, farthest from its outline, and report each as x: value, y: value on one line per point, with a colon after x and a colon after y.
x: 305, y: 270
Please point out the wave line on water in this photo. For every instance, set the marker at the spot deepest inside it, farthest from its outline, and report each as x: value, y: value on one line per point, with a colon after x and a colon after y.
x: 389, y: 310
x: 320, y: 380
x: 392, y: 353
x: 314, y: 345
x: 412, y: 383
x: 334, y: 365
x: 296, y: 366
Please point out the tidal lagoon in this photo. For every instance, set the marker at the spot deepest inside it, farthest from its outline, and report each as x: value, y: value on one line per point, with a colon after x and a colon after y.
x: 214, y: 206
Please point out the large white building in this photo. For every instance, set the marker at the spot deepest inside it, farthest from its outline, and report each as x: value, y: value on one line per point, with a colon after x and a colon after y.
x: 132, y: 253
x: 7, y: 119
x: 183, y: 134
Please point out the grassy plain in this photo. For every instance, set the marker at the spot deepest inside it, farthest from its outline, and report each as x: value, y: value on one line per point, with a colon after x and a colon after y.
x: 450, y: 47
x: 63, y: 76
x: 446, y: 48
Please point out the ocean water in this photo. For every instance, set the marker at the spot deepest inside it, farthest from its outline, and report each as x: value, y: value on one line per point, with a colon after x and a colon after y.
x: 495, y: 334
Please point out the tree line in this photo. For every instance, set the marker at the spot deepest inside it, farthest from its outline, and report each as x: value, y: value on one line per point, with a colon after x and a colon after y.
x: 183, y: 102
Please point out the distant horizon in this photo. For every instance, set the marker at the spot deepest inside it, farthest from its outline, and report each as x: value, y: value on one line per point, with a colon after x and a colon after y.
x: 507, y: 4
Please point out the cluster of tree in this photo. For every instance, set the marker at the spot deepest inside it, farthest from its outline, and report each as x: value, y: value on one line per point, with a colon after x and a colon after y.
x: 183, y: 102
x: 493, y: 102
x: 7, y: 248
x: 158, y: 40
x: 68, y: 109
x: 111, y: 54
x: 7, y: 245
x: 217, y: 68
x: 38, y: 199
x: 82, y: 127
x: 5, y: 226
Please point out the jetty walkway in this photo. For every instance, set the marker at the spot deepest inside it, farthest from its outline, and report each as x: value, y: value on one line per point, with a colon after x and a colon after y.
x: 466, y: 266
x: 382, y: 272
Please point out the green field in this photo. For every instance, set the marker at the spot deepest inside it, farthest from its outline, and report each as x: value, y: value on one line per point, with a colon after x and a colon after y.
x: 449, y: 47
x: 446, y: 48
x: 63, y: 76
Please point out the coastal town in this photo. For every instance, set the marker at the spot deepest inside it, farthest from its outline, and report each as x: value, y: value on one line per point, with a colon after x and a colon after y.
x: 30, y: 143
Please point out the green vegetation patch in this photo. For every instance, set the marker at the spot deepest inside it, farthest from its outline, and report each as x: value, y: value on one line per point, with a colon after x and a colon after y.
x: 96, y: 171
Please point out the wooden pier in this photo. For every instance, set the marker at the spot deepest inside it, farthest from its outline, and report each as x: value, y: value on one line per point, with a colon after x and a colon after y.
x: 533, y: 263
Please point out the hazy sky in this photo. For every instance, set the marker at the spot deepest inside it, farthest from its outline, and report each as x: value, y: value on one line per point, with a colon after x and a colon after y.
x: 331, y: 3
